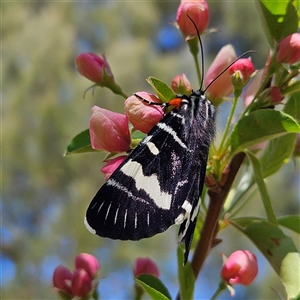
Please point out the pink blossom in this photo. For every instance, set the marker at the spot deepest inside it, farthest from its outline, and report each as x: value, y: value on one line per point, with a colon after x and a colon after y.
x: 112, y: 165
x: 109, y: 130
x: 241, y: 71
x: 93, y: 67
x: 181, y: 85
x: 81, y: 283
x: 240, y: 267
x: 289, y: 49
x: 89, y: 263
x: 142, y: 116
x: 62, y: 278
x: 145, y: 266
x: 275, y: 94
x: 198, y: 11
x: 221, y: 87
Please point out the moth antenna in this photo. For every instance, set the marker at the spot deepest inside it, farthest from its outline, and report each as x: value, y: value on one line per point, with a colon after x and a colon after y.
x: 202, y: 59
x: 245, y: 53
x: 201, y: 49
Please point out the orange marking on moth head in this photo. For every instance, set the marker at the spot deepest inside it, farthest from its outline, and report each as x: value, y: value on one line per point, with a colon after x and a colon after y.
x: 176, y: 102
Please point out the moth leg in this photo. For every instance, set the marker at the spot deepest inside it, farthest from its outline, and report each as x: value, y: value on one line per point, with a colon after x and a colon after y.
x: 149, y: 102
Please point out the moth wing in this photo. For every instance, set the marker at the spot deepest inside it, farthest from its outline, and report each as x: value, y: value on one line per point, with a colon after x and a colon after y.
x: 147, y: 193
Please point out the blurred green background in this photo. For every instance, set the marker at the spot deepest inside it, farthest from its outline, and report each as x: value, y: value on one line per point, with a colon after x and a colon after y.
x: 45, y: 195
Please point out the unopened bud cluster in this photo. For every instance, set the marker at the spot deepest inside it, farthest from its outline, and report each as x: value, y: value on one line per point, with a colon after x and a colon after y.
x: 82, y: 282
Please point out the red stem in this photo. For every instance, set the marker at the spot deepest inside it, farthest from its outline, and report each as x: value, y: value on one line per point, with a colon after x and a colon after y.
x: 210, y: 229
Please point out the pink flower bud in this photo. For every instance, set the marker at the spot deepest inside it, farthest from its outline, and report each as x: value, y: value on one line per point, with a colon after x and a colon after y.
x: 289, y: 49
x: 87, y: 262
x: 197, y: 10
x: 275, y: 94
x: 93, y: 67
x: 109, y: 130
x: 222, y: 87
x: 141, y: 115
x: 181, y: 85
x: 62, y: 278
x: 112, y: 165
x: 241, y: 71
x: 145, y: 266
x: 81, y: 283
x: 240, y: 267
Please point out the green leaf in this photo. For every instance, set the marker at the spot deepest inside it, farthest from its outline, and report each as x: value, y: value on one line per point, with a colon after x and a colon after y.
x: 138, y: 135
x: 245, y: 221
x: 186, y: 276
x: 80, y: 143
x: 259, y: 126
x: 162, y: 90
x: 258, y: 176
x: 277, y: 153
x: 279, y: 19
x: 289, y: 273
x: 291, y: 222
x: 297, y: 6
x: 153, y: 287
x: 279, y: 250
x: 292, y: 106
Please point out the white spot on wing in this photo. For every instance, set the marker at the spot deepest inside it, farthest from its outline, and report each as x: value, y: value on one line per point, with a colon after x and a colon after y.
x: 153, y: 149
x: 179, y: 219
x: 135, y: 220
x: 89, y: 228
x: 149, y: 184
x: 148, y: 218
x: 206, y: 112
x: 125, y: 217
x: 187, y: 206
x: 180, y: 184
x: 182, y: 235
x: 196, y: 210
x: 107, y: 211
x: 150, y: 145
x: 125, y: 190
x: 94, y: 205
x: 188, y: 221
x: 99, y: 206
x: 116, y: 215
x: 173, y: 133
x: 179, y: 116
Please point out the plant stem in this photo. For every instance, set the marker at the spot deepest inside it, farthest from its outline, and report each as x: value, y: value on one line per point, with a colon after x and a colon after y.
x: 199, y: 76
x: 194, y: 49
x: 221, y: 287
x: 210, y: 229
x: 233, y: 107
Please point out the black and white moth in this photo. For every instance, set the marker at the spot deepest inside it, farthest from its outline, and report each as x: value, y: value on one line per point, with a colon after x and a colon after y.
x: 160, y: 182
